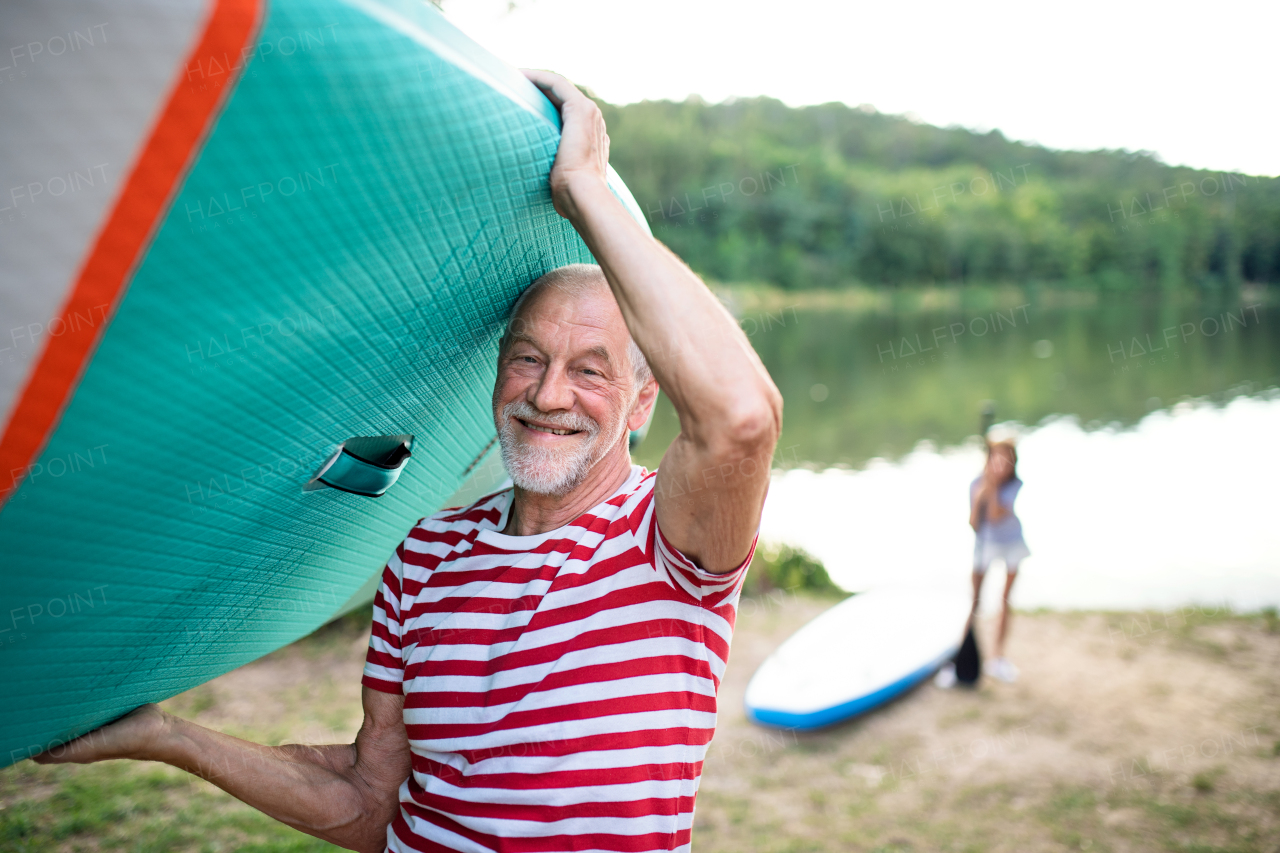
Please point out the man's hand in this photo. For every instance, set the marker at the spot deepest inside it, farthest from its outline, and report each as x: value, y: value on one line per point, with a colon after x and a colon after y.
x: 347, y: 794
x: 583, y: 154
x: 712, y: 481
x: 136, y: 735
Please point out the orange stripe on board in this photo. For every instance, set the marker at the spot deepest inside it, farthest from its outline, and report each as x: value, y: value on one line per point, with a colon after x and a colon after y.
x: 174, y: 143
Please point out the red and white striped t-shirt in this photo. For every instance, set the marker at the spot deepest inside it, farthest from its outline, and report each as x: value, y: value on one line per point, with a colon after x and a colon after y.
x: 560, y: 689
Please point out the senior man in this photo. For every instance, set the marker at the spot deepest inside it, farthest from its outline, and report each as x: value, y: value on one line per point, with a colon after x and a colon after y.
x: 543, y: 666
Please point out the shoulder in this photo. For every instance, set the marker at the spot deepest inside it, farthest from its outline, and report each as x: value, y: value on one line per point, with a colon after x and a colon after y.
x: 637, y: 491
x: 639, y: 486
x: 440, y: 534
x: 466, y: 518
x: 633, y: 502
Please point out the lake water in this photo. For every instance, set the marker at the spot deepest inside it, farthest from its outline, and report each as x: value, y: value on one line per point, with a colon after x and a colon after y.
x: 1149, y: 442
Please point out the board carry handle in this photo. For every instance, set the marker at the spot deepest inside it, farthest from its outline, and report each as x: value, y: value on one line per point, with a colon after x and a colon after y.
x: 364, y: 465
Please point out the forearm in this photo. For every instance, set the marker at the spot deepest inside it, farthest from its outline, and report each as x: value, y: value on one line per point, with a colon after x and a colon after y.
x: 730, y: 411
x: 995, y: 510
x: 311, y: 788
x: 978, y: 509
x: 697, y: 352
x: 986, y: 507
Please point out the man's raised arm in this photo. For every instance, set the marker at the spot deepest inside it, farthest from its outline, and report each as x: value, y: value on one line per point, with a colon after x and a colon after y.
x: 346, y: 794
x: 712, y: 480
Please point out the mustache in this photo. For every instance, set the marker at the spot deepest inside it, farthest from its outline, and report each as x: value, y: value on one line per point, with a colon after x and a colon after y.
x: 525, y: 411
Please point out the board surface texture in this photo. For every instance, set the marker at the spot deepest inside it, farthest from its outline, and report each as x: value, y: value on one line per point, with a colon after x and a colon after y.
x: 360, y: 196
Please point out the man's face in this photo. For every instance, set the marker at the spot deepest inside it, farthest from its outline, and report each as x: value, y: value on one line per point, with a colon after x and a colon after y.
x: 565, y: 389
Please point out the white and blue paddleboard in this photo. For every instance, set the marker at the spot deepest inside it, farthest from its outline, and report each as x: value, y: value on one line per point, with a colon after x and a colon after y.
x: 857, y: 656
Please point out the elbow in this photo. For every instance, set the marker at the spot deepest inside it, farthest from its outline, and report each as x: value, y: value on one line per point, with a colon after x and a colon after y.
x: 754, y: 426
x: 369, y: 834
x: 365, y: 820
x: 373, y: 842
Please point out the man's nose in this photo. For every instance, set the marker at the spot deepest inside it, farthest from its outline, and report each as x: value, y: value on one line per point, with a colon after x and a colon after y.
x: 553, y: 392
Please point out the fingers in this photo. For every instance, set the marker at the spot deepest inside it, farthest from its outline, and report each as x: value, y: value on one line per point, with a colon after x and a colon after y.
x: 558, y: 89
x: 546, y: 83
x: 121, y: 738
x: 540, y: 76
x: 65, y: 753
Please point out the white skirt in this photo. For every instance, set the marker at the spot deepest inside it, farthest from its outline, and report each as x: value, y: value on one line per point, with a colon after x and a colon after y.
x: 1011, y: 554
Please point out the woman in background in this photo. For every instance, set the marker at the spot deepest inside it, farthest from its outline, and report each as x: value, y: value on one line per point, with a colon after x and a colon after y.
x: 999, y: 536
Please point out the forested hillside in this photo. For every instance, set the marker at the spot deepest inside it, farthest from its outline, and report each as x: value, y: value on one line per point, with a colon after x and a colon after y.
x: 829, y: 196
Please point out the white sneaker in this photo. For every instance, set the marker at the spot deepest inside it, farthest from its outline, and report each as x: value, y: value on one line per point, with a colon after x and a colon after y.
x: 1004, y: 670
x: 946, y: 677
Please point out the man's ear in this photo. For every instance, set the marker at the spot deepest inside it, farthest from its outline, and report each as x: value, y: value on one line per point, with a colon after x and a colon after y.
x: 644, y: 404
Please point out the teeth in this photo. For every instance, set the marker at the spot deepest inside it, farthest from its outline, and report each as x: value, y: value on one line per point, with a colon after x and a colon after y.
x: 550, y: 430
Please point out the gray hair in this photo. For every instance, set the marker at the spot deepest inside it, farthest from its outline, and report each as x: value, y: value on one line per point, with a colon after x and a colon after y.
x: 575, y: 280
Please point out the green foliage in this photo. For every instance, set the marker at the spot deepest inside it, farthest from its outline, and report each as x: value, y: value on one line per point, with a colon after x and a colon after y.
x: 132, y: 806
x: 826, y: 196
x: 1204, y: 782
x: 782, y: 567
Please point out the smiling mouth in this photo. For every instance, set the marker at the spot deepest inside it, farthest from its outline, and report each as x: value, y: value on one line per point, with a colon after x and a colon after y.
x: 549, y: 430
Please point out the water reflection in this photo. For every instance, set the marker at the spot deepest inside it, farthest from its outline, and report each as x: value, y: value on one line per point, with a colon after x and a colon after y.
x: 1180, y: 509
x: 1132, y: 498
x: 865, y: 384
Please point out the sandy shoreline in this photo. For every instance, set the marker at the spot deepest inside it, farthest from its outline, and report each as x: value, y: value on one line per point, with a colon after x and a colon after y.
x: 1115, y: 717
x: 1126, y: 732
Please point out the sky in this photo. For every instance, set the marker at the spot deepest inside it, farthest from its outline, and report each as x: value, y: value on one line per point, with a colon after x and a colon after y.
x: 1196, y: 84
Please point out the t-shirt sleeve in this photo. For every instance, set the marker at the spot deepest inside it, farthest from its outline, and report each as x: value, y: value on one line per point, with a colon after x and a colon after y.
x: 384, y: 664
x: 710, y: 589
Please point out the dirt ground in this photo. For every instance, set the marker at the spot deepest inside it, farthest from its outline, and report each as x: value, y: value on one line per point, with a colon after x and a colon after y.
x: 1126, y: 732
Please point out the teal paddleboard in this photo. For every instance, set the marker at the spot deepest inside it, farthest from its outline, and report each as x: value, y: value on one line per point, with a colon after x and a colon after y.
x: 252, y: 241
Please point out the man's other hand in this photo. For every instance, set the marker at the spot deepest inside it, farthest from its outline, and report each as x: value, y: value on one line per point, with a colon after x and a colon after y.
x: 134, y: 735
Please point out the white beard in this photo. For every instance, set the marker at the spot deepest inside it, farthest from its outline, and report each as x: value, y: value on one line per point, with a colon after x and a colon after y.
x: 542, y: 470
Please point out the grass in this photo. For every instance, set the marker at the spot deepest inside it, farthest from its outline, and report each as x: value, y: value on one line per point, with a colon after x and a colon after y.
x: 836, y: 790
x: 1190, y: 628
x: 142, y: 808
x: 996, y: 817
